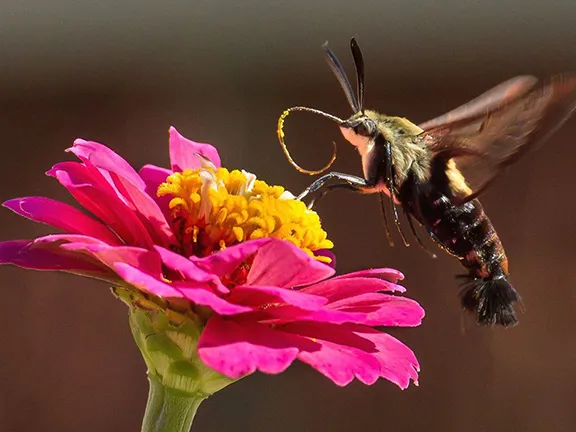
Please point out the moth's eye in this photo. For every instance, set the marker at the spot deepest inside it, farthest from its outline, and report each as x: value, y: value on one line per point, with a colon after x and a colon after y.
x: 401, y: 131
x: 363, y: 129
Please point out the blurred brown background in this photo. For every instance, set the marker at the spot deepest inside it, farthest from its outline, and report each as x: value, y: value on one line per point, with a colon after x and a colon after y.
x: 222, y: 71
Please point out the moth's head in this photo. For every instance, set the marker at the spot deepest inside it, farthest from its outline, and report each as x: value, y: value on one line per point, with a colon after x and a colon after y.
x: 360, y: 129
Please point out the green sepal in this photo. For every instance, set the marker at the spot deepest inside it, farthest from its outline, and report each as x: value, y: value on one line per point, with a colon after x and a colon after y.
x: 168, y: 341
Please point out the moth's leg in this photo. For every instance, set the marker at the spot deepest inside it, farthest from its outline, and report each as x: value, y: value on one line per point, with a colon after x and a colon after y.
x: 356, y: 188
x: 414, y: 192
x: 345, y: 181
x: 397, y: 223
x: 382, y: 196
x: 416, y: 236
x: 342, y: 181
x: 390, y: 184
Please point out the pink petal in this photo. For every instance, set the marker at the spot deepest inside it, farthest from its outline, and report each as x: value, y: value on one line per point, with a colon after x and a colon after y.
x: 93, y: 192
x: 190, y: 270
x: 145, y: 282
x: 288, y: 314
x: 203, y: 295
x: 183, y: 152
x: 96, y: 251
x: 196, y: 293
x: 103, y: 157
x: 126, y: 181
x: 342, y: 363
x: 59, y: 239
x: 382, y: 310
x: 61, y: 216
x: 150, y: 214
x: 27, y: 254
x: 280, y: 263
x: 344, y: 354
x: 264, y: 295
x: 238, y: 349
x: 388, y: 274
x: 328, y: 254
x: 225, y: 262
x: 397, y: 362
x: 75, y: 245
x: 341, y: 288
x: 367, y: 309
x: 142, y: 259
x: 154, y: 176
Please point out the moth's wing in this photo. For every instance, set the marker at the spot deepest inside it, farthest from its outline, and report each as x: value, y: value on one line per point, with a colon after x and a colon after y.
x: 483, y: 145
x: 487, y: 102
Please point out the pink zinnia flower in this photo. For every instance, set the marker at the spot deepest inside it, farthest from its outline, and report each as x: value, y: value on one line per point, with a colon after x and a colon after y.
x: 245, y: 262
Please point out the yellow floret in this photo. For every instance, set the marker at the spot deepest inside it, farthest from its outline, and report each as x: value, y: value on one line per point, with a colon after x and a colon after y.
x: 213, y: 209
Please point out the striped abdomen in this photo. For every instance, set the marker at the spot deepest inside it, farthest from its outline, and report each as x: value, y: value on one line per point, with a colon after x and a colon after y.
x: 466, y: 232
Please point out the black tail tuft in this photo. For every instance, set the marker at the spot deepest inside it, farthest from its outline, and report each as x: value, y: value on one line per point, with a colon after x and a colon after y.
x: 492, y: 300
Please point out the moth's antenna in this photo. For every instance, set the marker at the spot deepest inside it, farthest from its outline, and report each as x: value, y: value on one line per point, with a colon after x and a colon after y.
x: 338, y: 70
x: 280, y: 132
x: 359, y: 65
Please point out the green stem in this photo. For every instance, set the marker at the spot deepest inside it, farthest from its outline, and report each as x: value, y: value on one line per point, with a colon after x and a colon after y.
x: 168, y: 411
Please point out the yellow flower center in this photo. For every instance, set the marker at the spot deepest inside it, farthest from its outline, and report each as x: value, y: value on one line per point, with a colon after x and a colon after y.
x: 215, y: 208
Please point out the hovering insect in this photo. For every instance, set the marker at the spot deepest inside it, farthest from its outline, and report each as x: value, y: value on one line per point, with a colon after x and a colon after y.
x: 436, y: 171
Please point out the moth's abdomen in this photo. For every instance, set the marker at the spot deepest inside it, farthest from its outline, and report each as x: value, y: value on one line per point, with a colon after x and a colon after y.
x: 466, y: 232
